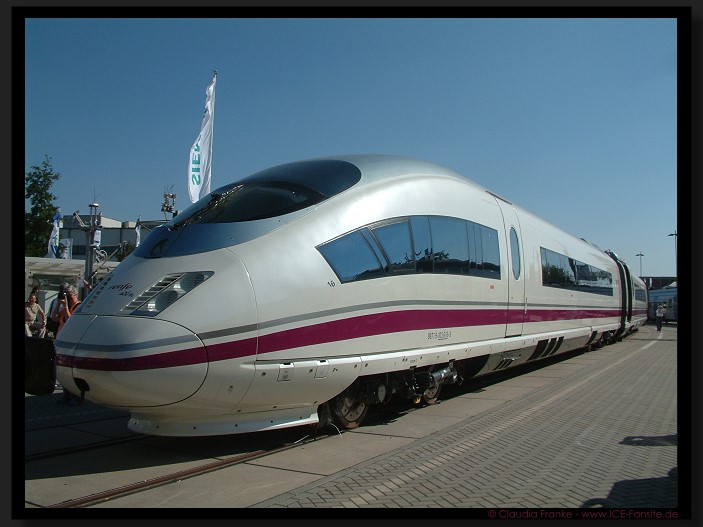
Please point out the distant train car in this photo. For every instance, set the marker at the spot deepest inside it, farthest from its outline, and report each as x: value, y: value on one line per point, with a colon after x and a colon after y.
x: 312, y: 290
x: 668, y: 296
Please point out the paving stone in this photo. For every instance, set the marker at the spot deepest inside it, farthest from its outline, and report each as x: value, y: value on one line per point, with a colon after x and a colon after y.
x: 604, y: 433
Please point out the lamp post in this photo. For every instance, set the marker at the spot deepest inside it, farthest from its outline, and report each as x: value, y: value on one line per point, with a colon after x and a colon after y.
x: 93, y: 235
x: 676, y: 252
x: 640, y: 255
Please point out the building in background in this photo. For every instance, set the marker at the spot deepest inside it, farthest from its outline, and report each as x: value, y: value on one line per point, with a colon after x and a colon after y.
x: 657, y: 282
x: 117, y: 241
x: 117, y: 238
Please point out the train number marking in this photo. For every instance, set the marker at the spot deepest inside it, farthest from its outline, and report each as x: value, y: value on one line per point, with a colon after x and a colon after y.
x: 439, y: 335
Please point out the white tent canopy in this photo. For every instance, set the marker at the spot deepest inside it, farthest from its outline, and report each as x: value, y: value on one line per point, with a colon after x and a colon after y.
x: 48, y: 273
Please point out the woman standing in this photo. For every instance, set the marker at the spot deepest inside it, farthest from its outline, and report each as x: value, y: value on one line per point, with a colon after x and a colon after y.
x: 32, y: 311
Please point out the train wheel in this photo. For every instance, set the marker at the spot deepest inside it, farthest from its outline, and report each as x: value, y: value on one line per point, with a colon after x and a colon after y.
x: 348, y: 408
x: 430, y: 395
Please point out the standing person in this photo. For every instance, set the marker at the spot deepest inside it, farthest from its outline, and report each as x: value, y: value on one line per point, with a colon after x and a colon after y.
x: 661, y: 311
x: 33, y: 311
x: 52, y: 323
x: 66, y: 305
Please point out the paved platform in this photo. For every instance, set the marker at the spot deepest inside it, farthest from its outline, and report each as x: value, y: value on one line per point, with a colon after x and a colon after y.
x: 604, y: 434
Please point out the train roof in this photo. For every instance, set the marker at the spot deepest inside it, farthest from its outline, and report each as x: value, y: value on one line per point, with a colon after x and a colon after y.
x: 378, y: 167
x: 373, y: 168
x: 255, y: 204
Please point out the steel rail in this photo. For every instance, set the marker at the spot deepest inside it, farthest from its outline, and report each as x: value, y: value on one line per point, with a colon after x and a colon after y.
x: 141, y: 486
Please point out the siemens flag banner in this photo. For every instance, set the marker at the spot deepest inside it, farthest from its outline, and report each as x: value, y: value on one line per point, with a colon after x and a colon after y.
x: 201, y: 151
x: 53, y: 244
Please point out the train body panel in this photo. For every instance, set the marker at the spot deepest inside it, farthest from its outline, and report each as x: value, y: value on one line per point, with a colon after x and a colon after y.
x: 321, y: 287
x: 136, y: 380
x: 133, y: 359
x: 560, y: 307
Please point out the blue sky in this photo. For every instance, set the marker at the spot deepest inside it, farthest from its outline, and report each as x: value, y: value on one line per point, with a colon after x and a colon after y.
x: 573, y: 119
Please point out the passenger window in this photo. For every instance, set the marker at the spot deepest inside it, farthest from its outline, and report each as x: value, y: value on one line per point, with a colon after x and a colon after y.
x: 491, y: 253
x: 515, y: 250
x: 395, y: 242
x: 551, y: 270
x: 352, y: 258
x: 559, y: 270
x: 450, y: 244
x: 475, y: 251
x: 423, y: 243
x: 374, y: 246
x: 569, y: 272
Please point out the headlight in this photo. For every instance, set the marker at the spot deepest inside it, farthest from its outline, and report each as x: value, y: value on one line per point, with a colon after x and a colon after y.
x: 165, y: 292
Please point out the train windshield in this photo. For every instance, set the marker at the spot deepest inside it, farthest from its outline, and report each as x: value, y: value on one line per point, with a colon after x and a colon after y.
x: 271, y: 193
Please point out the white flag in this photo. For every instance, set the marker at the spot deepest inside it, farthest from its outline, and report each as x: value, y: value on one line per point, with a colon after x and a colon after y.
x: 201, y: 151
x: 138, y: 230
x: 53, y: 245
x: 67, y: 244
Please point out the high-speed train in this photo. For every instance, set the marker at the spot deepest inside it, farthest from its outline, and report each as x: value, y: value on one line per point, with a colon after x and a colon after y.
x: 305, y: 293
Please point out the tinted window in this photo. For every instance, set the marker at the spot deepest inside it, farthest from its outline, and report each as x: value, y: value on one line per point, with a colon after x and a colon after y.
x: 515, y: 250
x: 423, y: 243
x: 395, y: 242
x: 567, y: 264
x: 561, y: 271
x: 450, y: 245
x: 272, y: 192
x: 551, y: 268
x: 600, y: 282
x: 640, y: 294
x: 475, y: 250
x: 374, y: 247
x: 491, y: 252
x: 351, y: 257
x: 434, y: 244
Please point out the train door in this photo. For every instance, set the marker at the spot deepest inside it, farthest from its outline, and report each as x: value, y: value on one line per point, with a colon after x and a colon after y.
x: 630, y: 292
x: 625, y: 294
x: 515, y: 272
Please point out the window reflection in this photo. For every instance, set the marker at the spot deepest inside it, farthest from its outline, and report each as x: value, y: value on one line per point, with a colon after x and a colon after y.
x: 491, y: 252
x: 451, y: 248
x: 352, y: 258
x: 422, y: 244
x: 563, y: 272
x: 395, y: 241
x: 515, y: 252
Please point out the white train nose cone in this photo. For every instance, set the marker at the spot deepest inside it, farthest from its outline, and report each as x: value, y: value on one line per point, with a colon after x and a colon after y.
x: 129, y: 362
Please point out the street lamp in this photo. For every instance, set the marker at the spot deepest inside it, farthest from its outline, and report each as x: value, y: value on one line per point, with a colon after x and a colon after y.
x: 640, y: 255
x: 676, y: 252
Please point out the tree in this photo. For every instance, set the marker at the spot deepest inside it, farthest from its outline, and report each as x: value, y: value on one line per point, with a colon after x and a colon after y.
x: 38, y: 221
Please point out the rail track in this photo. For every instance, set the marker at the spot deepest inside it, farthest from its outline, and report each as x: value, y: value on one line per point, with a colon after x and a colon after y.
x: 172, y: 477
